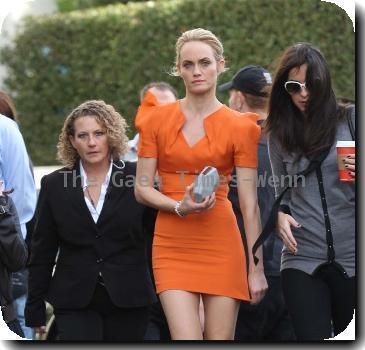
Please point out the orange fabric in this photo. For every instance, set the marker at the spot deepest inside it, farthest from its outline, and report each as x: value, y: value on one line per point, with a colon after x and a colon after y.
x: 149, y: 100
x: 201, y: 252
x: 147, y: 103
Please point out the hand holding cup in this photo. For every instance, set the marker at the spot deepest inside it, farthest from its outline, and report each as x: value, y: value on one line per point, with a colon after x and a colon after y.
x: 346, y: 160
x: 349, y: 162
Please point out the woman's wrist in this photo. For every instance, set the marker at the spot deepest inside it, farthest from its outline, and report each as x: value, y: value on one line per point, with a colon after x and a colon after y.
x: 283, y: 208
x: 256, y: 268
x: 178, y: 209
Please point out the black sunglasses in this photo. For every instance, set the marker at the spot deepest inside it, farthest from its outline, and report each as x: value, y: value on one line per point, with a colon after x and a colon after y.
x: 293, y: 87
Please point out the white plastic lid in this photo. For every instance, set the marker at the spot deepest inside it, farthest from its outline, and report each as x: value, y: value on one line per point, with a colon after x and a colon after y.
x: 345, y: 144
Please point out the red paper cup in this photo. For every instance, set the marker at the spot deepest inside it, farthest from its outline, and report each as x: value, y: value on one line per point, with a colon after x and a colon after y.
x: 344, y: 148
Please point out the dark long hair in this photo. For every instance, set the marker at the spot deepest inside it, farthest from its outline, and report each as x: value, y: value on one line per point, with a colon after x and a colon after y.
x: 309, y: 133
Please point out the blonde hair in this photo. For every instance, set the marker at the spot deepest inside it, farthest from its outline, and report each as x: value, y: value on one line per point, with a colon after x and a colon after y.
x: 106, y: 116
x: 198, y: 34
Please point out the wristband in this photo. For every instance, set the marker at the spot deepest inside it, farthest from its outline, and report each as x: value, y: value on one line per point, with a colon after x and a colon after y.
x: 177, y: 209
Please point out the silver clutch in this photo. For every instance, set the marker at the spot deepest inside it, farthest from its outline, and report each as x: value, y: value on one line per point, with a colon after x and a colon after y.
x: 205, y: 183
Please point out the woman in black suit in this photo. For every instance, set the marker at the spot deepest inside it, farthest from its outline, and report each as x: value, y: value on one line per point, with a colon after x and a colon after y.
x: 87, y: 213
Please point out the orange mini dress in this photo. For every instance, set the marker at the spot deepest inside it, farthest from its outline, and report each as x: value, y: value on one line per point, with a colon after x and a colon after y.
x: 201, y: 252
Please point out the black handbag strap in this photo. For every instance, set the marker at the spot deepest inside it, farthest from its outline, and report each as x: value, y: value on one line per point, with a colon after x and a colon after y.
x: 271, y: 222
x: 313, y: 165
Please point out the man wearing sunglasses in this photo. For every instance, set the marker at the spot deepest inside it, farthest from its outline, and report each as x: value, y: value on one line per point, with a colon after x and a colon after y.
x: 269, y: 320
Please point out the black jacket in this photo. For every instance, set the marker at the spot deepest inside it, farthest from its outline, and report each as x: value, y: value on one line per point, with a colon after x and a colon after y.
x: 13, y: 254
x: 266, y: 198
x: 114, y: 246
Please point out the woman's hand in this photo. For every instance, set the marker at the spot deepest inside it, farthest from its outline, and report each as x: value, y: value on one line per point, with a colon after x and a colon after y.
x: 257, y: 285
x: 284, y: 223
x: 188, y: 205
x: 350, y: 164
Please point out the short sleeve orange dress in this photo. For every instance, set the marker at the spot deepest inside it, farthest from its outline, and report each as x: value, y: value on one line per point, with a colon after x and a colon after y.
x: 201, y: 252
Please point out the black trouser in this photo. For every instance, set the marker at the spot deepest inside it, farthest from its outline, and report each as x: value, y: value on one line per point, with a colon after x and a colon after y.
x: 101, y: 320
x: 319, y: 303
x: 157, y: 328
x: 267, y: 321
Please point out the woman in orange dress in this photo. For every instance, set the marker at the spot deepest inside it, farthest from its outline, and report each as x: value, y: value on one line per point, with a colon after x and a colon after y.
x: 197, y: 247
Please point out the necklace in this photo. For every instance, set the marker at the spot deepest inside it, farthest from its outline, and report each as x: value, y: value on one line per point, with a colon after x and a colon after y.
x: 90, y: 198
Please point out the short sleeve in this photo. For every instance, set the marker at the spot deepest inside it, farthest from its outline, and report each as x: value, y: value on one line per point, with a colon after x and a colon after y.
x: 147, y: 125
x: 245, y: 141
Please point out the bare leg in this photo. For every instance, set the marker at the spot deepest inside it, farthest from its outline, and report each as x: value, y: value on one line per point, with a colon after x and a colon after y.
x: 201, y: 313
x: 182, y: 312
x: 220, y: 317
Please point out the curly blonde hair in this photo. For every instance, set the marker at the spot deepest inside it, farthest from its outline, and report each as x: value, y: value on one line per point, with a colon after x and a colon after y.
x: 198, y: 34
x: 106, y: 116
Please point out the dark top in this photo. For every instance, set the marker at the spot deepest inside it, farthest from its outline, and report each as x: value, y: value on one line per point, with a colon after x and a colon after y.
x: 113, y: 246
x: 322, y: 204
x: 266, y: 196
x: 13, y: 253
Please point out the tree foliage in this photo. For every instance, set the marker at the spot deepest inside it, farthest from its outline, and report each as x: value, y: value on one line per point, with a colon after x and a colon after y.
x: 111, y: 52
x: 73, y: 5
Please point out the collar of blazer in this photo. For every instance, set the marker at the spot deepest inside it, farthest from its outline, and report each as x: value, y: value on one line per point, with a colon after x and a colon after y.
x: 120, y: 180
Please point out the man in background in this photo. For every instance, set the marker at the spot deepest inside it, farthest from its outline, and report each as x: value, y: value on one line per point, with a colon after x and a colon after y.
x: 269, y: 320
x: 162, y: 93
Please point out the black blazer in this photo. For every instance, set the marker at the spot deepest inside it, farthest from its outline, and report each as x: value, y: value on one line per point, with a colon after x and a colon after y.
x: 114, y: 246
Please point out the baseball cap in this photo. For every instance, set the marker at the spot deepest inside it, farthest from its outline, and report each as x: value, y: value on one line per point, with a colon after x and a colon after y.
x: 250, y: 79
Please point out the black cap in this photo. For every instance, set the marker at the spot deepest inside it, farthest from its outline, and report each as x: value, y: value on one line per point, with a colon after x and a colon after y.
x: 250, y: 79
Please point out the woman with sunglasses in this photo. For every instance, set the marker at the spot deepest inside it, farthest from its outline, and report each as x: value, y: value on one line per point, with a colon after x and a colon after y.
x: 316, y: 220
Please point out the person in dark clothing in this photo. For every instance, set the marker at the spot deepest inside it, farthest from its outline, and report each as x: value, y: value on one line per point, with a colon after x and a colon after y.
x: 316, y: 219
x: 13, y: 257
x: 16, y: 171
x: 269, y: 320
x: 90, y: 227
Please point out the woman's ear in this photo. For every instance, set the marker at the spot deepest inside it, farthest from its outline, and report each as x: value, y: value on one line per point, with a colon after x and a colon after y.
x: 242, y: 97
x: 221, y: 65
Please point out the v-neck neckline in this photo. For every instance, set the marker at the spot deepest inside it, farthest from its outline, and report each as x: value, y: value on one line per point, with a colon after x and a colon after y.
x: 184, y: 119
x: 194, y: 144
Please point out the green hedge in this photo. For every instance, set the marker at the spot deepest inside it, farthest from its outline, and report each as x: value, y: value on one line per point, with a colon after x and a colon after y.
x: 110, y: 53
x: 72, y: 5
